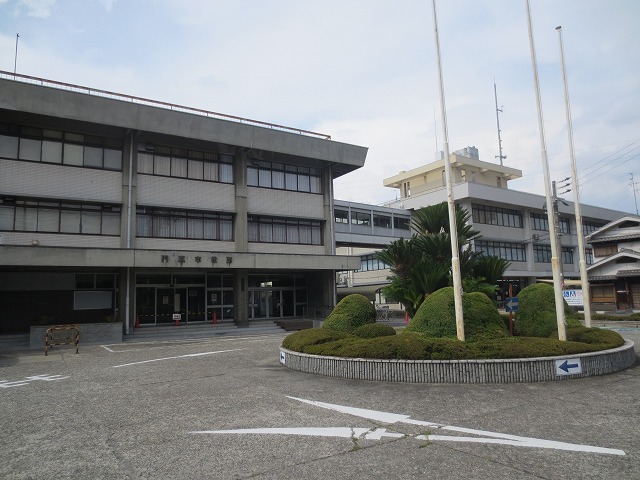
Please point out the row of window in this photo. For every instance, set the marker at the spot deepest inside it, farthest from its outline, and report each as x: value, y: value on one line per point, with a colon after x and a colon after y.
x: 365, y: 219
x: 284, y: 177
x: 263, y: 229
x: 540, y: 221
x: 164, y: 223
x: 370, y: 262
x: 542, y: 254
x: 57, y: 217
x: 514, y: 252
x: 489, y: 215
x: 182, y: 163
x: 64, y: 148
x: 505, y: 217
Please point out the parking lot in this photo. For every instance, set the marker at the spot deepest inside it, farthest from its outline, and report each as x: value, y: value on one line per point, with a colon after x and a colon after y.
x: 223, y: 407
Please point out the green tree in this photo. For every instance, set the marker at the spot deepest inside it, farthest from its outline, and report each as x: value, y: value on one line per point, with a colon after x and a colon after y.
x: 422, y: 264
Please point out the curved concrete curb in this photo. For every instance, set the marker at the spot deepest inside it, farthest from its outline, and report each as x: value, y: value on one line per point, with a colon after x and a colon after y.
x: 465, y: 371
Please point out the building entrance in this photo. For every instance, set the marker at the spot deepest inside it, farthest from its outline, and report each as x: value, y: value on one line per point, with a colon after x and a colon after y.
x: 271, y: 303
x: 156, y: 305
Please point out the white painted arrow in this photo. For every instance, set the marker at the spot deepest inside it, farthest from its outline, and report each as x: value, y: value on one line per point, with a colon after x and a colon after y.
x: 493, y: 437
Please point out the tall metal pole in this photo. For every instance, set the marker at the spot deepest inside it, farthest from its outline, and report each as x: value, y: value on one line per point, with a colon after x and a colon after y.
x: 15, y: 61
x: 453, y: 229
x: 555, y: 265
x: 498, y: 111
x: 584, y: 278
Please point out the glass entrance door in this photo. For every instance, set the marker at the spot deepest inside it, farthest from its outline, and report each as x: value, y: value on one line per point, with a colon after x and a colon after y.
x: 271, y: 303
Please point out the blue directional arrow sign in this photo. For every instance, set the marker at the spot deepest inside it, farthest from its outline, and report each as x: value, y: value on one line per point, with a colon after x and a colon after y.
x: 511, y: 304
x: 570, y: 366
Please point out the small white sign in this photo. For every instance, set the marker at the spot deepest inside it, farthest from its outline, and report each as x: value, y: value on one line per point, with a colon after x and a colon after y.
x: 177, y: 316
x: 282, y: 357
x: 570, y: 366
x: 573, y: 297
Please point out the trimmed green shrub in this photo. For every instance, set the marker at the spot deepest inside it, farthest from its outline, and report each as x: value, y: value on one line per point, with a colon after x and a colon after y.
x: 373, y: 330
x: 414, y: 346
x: 634, y: 317
x: 351, y: 312
x: 297, y: 341
x: 536, y: 316
x: 436, y: 316
x: 603, y: 339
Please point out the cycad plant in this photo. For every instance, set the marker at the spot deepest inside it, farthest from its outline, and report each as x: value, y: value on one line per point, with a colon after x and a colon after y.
x: 422, y: 264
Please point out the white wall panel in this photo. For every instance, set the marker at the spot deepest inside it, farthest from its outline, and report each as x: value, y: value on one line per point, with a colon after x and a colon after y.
x: 286, y: 248
x: 181, y: 193
x: 59, y: 240
x: 59, y: 182
x: 283, y: 203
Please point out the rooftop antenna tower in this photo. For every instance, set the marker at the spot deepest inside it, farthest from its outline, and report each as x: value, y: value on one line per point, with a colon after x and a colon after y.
x: 498, y: 112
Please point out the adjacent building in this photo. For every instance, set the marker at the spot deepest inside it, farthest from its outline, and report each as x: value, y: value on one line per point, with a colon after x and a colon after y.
x: 122, y: 208
x: 615, y: 274
x: 513, y: 224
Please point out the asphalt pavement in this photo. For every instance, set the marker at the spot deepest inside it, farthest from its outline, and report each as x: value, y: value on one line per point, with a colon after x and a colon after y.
x: 224, y: 408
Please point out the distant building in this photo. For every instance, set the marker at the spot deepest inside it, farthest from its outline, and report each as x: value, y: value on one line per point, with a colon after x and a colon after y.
x: 513, y: 224
x: 117, y: 207
x: 615, y: 274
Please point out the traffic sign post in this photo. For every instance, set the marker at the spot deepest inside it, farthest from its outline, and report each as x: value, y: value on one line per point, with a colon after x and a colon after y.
x: 511, y: 305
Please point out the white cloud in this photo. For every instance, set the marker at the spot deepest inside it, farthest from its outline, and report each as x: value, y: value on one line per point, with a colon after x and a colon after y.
x: 35, y: 8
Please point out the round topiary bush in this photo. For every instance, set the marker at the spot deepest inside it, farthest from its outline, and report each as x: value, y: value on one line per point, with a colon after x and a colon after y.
x: 537, y: 314
x: 374, y: 330
x: 351, y: 312
x: 436, y: 316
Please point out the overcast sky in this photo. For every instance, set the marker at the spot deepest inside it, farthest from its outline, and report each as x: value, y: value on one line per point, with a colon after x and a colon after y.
x: 364, y: 72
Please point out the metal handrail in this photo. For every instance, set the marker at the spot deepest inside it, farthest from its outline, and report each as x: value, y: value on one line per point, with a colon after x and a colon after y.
x: 155, y: 103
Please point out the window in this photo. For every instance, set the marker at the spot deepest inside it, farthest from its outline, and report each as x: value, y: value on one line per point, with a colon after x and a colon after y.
x: 603, y: 293
x: 539, y: 221
x: 182, y: 163
x: 370, y: 262
x: 284, y: 177
x: 542, y: 253
x: 50, y: 146
x: 496, y: 216
x: 605, y: 250
x: 514, y: 252
x: 565, y: 225
x: 40, y: 216
x: 383, y: 221
x: 165, y: 223
x: 360, y: 218
x: 401, y: 223
x: 588, y: 256
x: 567, y: 255
x: 590, y: 227
x: 263, y: 229
x: 342, y: 216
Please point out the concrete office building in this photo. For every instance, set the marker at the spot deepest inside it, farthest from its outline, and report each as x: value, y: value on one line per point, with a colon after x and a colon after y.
x: 116, y: 206
x: 513, y: 224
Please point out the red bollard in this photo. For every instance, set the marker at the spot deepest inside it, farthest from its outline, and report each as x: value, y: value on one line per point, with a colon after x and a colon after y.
x: 214, y: 319
x: 406, y: 317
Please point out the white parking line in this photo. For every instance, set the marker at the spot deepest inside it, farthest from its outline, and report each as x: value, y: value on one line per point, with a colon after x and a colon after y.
x: 179, y: 356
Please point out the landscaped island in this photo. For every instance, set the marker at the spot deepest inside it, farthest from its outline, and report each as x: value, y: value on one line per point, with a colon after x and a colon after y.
x: 350, y: 331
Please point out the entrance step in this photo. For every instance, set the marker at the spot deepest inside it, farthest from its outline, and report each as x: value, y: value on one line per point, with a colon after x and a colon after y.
x: 185, y: 331
x: 291, y: 325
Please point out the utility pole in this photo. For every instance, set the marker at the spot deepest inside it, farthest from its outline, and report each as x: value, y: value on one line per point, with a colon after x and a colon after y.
x: 556, y: 225
x: 498, y: 111
x: 634, y: 185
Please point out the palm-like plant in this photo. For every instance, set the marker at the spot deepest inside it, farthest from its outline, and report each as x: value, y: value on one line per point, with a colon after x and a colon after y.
x: 422, y: 264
